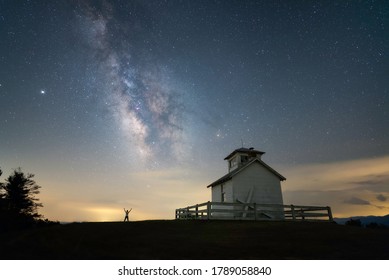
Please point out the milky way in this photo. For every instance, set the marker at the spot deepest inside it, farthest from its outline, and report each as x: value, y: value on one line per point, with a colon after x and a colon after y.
x: 140, y: 94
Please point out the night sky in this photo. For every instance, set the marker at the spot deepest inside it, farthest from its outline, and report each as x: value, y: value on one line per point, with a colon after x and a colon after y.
x: 116, y: 104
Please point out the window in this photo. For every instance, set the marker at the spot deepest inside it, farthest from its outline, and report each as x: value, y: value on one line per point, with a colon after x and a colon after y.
x: 233, y: 162
x: 244, y: 159
x: 223, y: 194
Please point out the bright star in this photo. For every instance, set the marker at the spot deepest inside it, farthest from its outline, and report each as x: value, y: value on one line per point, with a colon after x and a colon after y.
x: 43, y: 92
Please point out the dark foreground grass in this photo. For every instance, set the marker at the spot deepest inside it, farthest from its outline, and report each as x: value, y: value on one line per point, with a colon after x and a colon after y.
x: 170, y: 239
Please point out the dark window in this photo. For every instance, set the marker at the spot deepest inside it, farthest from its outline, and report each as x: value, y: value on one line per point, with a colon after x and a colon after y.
x: 223, y: 194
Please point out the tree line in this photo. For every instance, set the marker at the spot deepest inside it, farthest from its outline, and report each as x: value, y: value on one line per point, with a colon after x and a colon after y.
x: 18, y: 202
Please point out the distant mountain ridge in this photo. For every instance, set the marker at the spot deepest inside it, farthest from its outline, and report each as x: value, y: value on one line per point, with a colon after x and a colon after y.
x: 365, y: 220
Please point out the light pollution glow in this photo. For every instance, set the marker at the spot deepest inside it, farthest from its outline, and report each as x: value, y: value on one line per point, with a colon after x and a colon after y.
x: 349, y: 187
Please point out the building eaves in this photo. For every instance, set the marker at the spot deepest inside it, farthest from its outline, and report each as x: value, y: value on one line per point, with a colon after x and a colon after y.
x: 231, y: 174
x: 244, y: 150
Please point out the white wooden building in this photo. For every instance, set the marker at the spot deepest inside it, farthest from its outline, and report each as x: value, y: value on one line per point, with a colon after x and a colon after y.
x: 249, y: 180
x: 251, y: 190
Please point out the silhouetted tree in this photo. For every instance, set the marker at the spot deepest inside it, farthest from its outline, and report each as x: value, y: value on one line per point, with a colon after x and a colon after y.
x: 375, y: 225
x: 372, y: 225
x: 18, y: 195
x: 1, y: 195
x: 355, y: 223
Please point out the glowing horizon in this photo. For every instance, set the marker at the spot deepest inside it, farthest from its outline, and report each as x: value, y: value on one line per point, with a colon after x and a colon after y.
x: 136, y: 103
x: 311, y: 184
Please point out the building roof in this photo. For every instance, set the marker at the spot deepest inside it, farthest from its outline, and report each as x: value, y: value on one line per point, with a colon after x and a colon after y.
x: 244, y: 150
x: 231, y: 174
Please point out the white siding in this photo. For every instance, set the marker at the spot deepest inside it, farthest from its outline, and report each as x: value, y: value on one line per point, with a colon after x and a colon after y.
x: 253, y: 184
x: 217, y: 195
x: 227, y: 187
x: 266, y: 186
x: 216, y: 191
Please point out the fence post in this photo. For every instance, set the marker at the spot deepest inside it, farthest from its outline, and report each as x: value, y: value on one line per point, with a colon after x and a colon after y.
x: 208, y: 210
x: 329, y: 214
x: 197, y: 211
x: 293, y: 214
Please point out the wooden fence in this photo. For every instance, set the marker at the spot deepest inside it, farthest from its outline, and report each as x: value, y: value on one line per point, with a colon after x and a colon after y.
x: 252, y: 211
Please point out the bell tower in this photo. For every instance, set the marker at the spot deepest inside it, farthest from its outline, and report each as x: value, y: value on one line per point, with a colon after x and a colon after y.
x: 242, y: 156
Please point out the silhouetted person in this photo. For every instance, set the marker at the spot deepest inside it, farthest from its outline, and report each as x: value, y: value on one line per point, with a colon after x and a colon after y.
x: 126, y: 212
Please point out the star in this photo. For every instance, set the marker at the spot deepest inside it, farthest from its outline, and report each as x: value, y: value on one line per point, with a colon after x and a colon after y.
x: 42, y: 92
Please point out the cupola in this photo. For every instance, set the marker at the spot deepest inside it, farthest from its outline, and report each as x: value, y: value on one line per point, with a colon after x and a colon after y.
x: 242, y: 156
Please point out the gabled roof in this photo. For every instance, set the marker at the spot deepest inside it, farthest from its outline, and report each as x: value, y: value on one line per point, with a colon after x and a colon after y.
x: 231, y: 174
x: 249, y: 151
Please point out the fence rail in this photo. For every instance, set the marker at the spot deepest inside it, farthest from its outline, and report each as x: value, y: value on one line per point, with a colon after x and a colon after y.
x: 252, y: 211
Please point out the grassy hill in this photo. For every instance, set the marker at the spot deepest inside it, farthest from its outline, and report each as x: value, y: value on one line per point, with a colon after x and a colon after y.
x: 365, y: 220
x: 171, y: 239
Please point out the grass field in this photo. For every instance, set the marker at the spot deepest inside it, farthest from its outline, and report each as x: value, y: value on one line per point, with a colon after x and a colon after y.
x: 171, y: 239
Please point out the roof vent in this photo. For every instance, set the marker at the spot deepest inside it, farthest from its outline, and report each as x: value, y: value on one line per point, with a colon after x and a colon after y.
x: 251, y: 148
